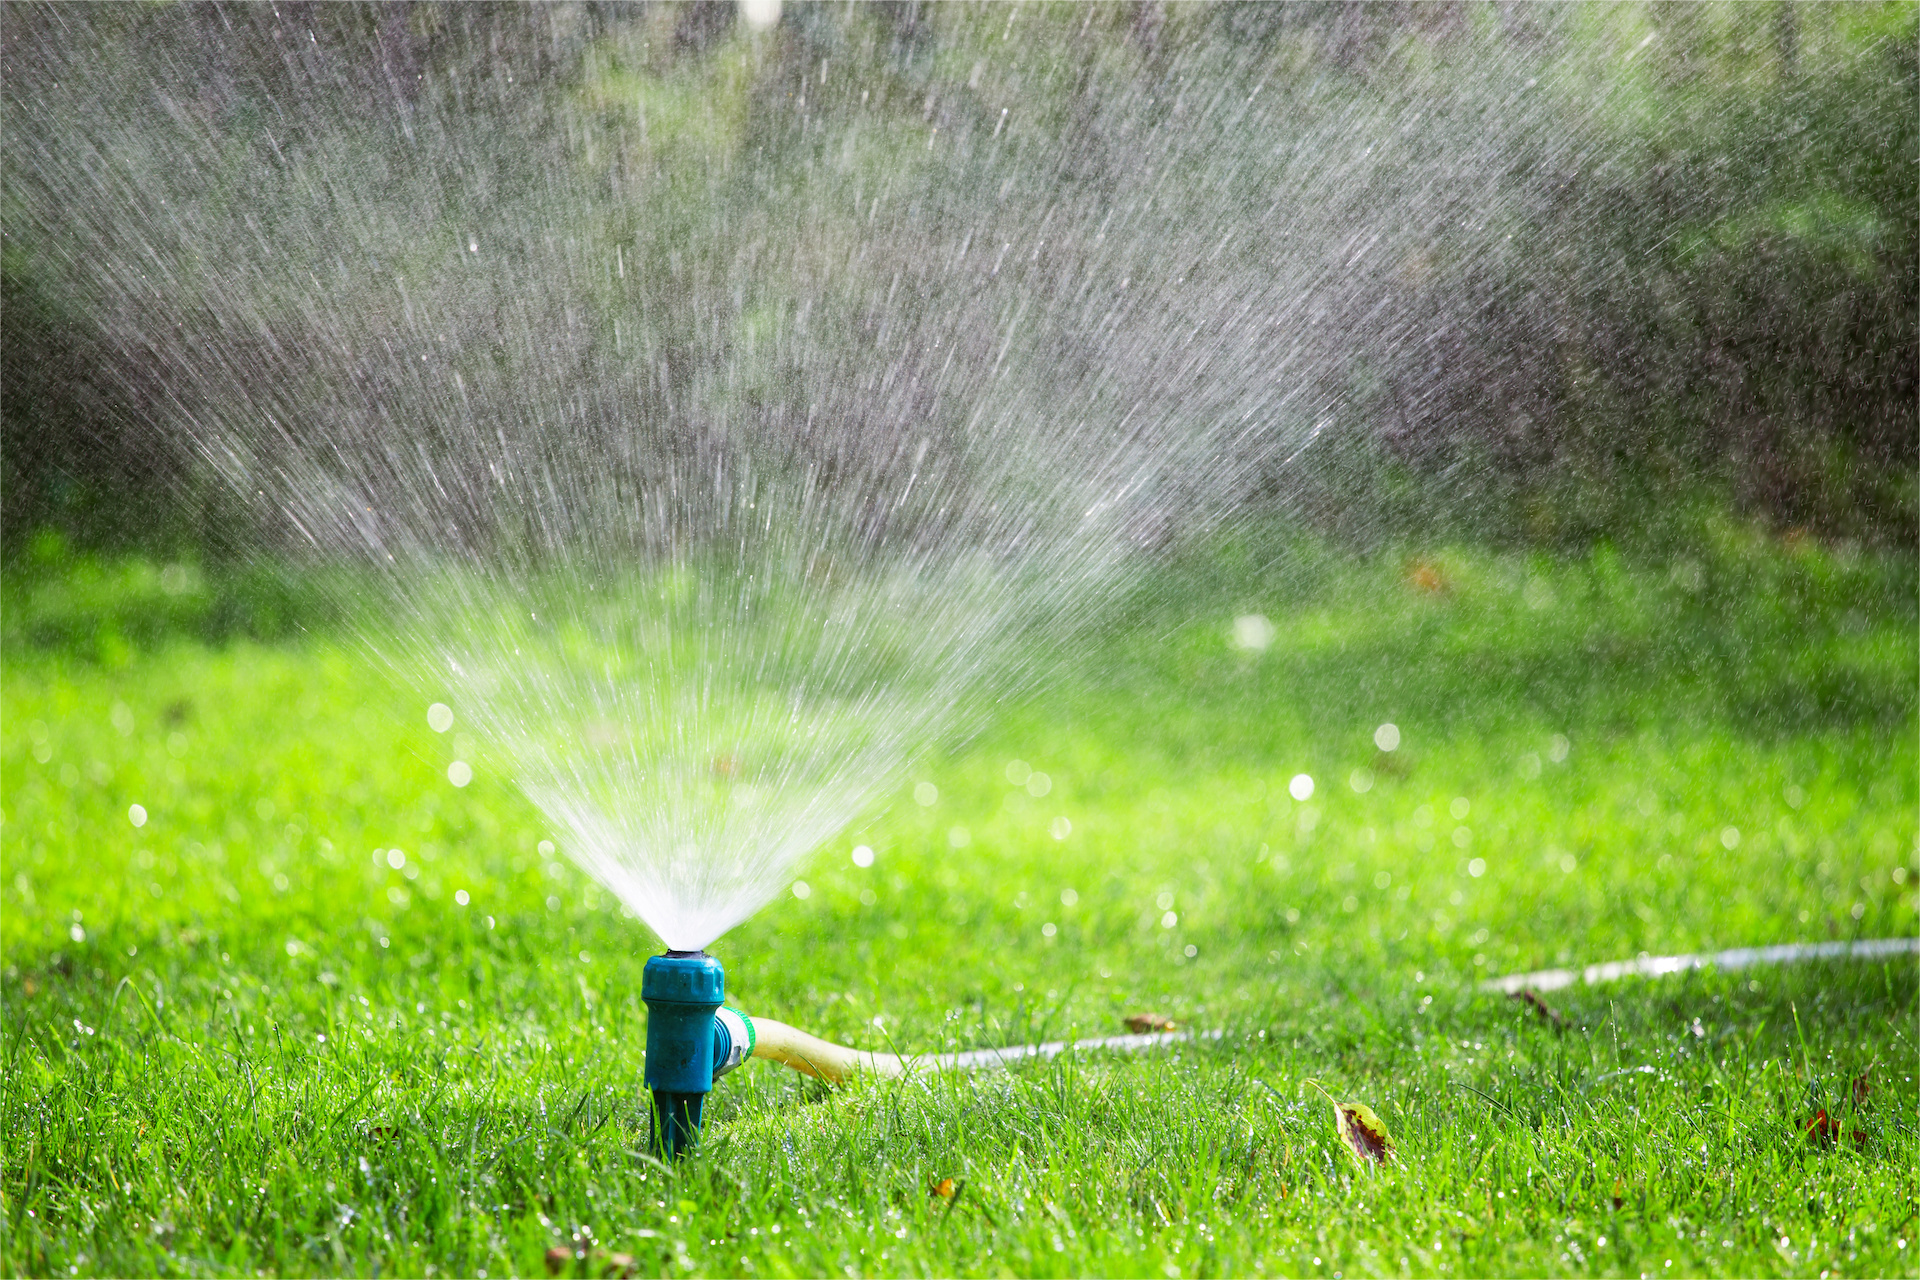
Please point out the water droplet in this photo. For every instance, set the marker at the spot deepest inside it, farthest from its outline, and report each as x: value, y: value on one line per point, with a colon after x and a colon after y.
x: 1387, y: 737
x: 1460, y: 808
x: 958, y: 837
x: 1068, y: 897
x: 862, y: 856
x: 459, y: 773
x: 1038, y: 785
x: 137, y: 815
x: 1018, y: 771
x: 802, y: 890
x: 460, y: 897
x: 1477, y: 868
x: 1730, y: 837
x: 1060, y: 828
x: 440, y: 717
x: 1301, y: 787
x: 396, y: 859
x: 1048, y: 929
x: 925, y: 794
x: 1169, y: 920
x: 1361, y: 780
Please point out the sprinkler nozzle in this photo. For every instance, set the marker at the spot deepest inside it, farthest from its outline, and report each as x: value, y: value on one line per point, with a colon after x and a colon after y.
x: 691, y: 1042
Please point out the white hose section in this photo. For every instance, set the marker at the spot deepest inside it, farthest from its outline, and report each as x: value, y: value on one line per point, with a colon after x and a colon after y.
x: 1738, y: 958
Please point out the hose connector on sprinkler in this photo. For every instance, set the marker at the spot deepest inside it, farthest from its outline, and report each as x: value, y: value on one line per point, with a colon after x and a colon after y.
x: 691, y: 1042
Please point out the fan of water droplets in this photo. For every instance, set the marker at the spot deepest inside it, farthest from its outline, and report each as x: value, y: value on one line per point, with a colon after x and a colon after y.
x: 722, y: 447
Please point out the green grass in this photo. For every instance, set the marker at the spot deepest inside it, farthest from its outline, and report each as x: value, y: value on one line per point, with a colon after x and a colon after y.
x: 237, y: 1040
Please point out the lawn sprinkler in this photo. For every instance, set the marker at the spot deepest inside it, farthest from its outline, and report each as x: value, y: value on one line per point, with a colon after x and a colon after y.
x: 691, y: 1042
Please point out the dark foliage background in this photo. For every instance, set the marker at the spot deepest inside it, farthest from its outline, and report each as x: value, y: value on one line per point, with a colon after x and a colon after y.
x: 1709, y: 300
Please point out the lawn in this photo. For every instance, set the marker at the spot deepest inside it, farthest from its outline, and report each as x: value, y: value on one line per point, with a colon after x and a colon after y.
x: 324, y: 1012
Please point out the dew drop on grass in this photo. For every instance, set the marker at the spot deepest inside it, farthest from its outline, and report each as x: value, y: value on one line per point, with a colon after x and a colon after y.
x: 862, y: 856
x: 1301, y: 787
x: 1387, y: 737
x: 137, y: 815
x: 925, y: 794
x: 802, y: 890
x: 1018, y: 771
x: 1039, y: 784
x: 440, y: 717
x: 1061, y: 828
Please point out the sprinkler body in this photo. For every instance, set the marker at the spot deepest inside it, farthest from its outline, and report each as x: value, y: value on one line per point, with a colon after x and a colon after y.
x: 691, y: 1042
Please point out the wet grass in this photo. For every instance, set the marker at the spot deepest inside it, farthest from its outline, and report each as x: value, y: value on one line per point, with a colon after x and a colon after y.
x: 238, y: 1038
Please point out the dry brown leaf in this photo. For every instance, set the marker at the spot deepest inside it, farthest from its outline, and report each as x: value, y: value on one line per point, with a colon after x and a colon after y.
x: 942, y: 1188
x: 594, y: 1262
x: 1825, y: 1130
x: 1532, y: 1000
x: 1141, y: 1023
x: 1364, y: 1132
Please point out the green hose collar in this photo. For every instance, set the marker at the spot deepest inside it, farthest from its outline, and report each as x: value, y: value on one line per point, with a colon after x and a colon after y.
x: 753, y: 1037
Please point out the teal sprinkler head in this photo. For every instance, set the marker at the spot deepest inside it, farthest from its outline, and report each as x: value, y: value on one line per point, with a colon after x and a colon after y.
x: 691, y: 1042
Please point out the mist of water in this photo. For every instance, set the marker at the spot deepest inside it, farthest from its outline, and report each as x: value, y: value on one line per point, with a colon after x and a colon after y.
x: 720, y: 448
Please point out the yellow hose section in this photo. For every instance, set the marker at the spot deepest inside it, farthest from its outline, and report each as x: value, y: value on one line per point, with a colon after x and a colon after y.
x: 810, y: 1055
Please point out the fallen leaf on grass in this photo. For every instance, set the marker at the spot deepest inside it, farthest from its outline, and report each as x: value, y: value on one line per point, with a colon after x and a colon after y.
x: 1532, y: 1000
x: 1141, y: 1023
x: 1826, y: 1130
x: 596, y: 1262
x: 942, y: 1188
x: 1364, y: 1132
